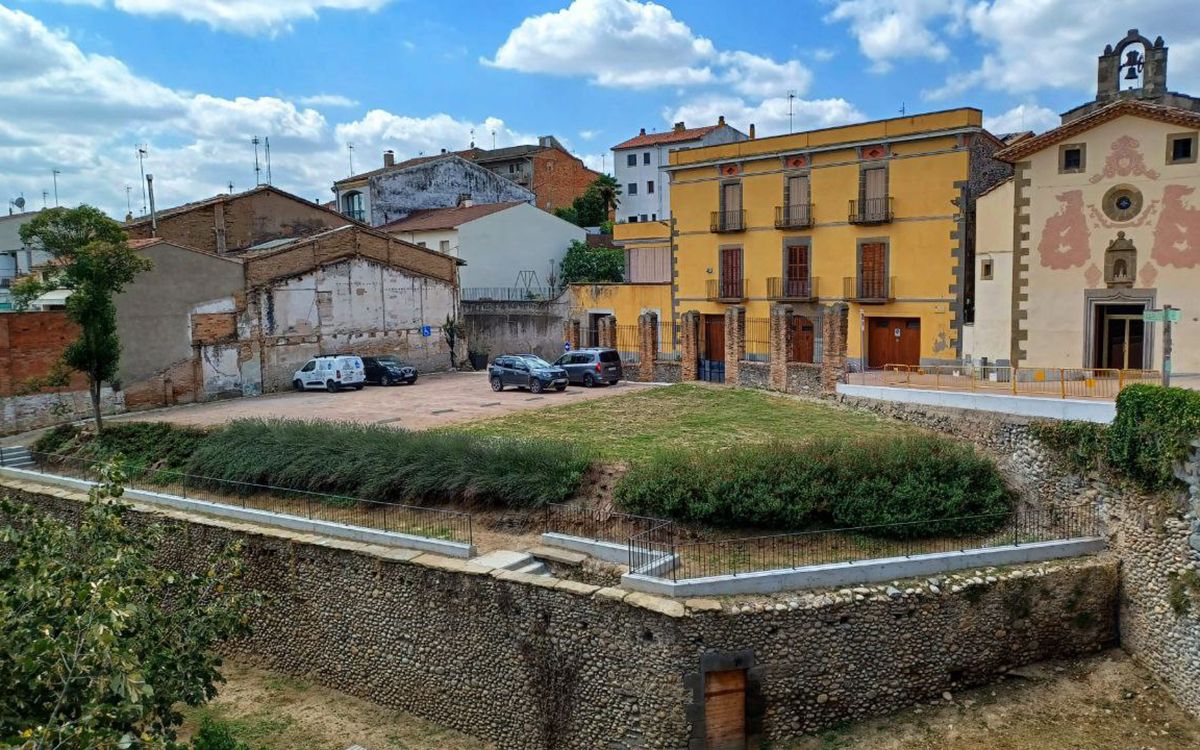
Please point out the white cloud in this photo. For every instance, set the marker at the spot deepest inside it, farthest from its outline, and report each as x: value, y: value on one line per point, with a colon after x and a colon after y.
x: 770, y: 116
x: 240, y: 16
x: 754, y: 75
x: 1022, y: 117
x: 82, y: 114
x: 888, y: 30
x: 327, y: 100
x: 588, y: 135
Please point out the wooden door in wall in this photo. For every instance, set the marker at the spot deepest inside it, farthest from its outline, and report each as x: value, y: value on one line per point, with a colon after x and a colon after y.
x: 725, y: 710
x: 803, y: 340
x: 893, y: 341
x: 712, y: 356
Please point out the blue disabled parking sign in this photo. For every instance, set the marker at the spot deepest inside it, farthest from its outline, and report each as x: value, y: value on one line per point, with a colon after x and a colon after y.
x: 566, y: 346
x: 426, y: 331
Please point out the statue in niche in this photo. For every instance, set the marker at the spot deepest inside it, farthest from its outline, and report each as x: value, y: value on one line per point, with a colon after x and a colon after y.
x: 1120, y: 260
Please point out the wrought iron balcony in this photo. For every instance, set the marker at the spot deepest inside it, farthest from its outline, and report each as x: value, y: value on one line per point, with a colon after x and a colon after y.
x: 794, y: 216
x: 869, y: 290
x: 871, y: 211
x: 727, y: 221
x: 726, y: 290
x: 794, y: 290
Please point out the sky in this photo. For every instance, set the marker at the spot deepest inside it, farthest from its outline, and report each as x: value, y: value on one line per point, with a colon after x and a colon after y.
x: 84, y: 83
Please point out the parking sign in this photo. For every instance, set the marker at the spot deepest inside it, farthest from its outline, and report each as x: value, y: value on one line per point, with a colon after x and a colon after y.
x: 426, y: 331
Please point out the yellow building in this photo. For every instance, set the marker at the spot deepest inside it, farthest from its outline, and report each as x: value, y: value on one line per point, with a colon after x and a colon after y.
x: 878, y: 215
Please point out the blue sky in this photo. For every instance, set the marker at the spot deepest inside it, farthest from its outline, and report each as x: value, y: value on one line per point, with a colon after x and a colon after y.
x: 82, y: 81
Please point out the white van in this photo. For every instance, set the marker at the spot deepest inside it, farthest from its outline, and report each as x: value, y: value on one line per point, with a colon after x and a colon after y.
x: 332, y: 372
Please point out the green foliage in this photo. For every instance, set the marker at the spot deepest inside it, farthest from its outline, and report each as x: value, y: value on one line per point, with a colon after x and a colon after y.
x: 28, y: 288
x: 146, y: 445
x: 591, y: 209
x: 915, y: 479
x: 1184, y: 591
x: 1153, y: 431
x: 378, y: 463
x: 1082, y: 444
x: 101, y: 646
x: 584, y: 264
x: 97, y: 263
x: 214, y: 735
x: 57, y: 439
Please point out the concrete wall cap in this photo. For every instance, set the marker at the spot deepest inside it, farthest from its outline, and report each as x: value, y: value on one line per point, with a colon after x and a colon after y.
x: 702, y: 605
x: 668, y: 607
x: 450, y: 564
x: 575, y: 587
x: 615, y: 594
x: 546, y: 582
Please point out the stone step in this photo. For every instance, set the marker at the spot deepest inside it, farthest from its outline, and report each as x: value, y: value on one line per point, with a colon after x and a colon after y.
x: 561, y: 556
x: 534, y: 568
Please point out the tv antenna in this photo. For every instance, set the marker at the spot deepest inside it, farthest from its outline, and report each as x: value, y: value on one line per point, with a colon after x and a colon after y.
x: 903, y: 109
x: 129, y: 200
x: 55, y: 173
x: 142, y: 153
x: 231, y: 187
x: 18, y: 202
x: 791, y: 98
x: 267, y: 142
x: 45, y: 194
x: 350, y: 148
x: 493, y: 140
x: 257, y: 171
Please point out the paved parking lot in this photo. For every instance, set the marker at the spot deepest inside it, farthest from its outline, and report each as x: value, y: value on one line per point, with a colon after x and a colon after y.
x: 436, y: 399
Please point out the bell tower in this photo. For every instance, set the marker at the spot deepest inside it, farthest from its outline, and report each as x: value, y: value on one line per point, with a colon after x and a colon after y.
x: 1135, y: 68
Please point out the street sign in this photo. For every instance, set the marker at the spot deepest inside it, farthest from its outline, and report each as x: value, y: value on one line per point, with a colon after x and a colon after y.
x: 1153, y: 316
x: 1174, y: 315
x: 566, y: 346
x: 426, y: 331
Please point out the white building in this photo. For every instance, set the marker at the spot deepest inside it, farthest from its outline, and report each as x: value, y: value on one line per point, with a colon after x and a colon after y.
x: 16, y: 259
x: 505, y: 245
x: 638, y: 167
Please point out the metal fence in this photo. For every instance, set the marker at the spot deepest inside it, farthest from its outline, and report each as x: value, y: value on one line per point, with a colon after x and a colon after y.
x: 758, y: 339
x: 629, y: 344
x: 669, y: 349
x: 507, y: 293
x: 724, y: 557
x: 1059, y: 382
x: 591, y: 523
x: 432, y: 523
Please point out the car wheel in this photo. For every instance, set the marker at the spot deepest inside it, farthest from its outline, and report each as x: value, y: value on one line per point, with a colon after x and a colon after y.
x: 560, y: 388
x: 613, y: 382
x: 297, y: 384
x: 358, y: 387
x: 412, y: 380
x: 497, y: 383
x: 331, y: 386
x: 385, y: 381
x: 588, y: 380
x: 536, y: 386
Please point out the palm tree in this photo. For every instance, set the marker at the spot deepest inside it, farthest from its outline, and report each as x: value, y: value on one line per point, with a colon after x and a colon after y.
x: 609, y: 191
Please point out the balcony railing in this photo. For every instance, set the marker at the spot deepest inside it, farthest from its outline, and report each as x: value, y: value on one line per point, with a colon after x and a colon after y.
x: 727, y: 221
x: 869, y: 289
x: 794, y: 216
x: 871, y: 211
x: 726, y: 290
x: 792, y: 289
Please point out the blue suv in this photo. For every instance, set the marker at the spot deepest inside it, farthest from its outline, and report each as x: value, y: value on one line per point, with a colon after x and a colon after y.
x: 526, y: 371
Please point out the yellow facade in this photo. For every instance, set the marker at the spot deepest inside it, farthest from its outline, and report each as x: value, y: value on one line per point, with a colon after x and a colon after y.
x: 627, y: 301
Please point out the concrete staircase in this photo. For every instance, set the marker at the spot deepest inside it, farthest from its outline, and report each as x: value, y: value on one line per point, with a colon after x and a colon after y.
x: 16, y: 457
x: 518, y: 562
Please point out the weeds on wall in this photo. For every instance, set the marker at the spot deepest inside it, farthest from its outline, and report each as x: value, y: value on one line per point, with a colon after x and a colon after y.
x: 920, y: 480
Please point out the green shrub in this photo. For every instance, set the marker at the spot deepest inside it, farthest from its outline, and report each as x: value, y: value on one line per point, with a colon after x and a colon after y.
x: 145, y: 445
x: 916, y: 479
x: 216, y: 735
x: 1152, y: 431
x: 56, y: 439
x: 1082, y: 444
x: 379, y: 463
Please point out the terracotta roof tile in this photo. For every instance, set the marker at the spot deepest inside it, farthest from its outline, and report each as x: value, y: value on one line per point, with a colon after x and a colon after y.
x: 1172, y: 115
x: 669, y: 136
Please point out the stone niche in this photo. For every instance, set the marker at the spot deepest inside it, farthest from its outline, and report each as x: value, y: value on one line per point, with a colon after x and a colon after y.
x: 1120, y: 263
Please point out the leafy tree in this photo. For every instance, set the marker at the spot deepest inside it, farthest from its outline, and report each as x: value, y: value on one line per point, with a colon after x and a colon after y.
x: 101, y: 646
x: 96, y: 262
x: 568, y: 213
x: 583, y: 264
x: 591, y: 209
x: 28, y: 288
x: 608, y: 190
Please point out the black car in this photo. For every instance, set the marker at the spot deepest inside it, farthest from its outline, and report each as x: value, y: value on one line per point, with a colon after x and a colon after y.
x: 526, y: 371
x: 387, y: 370
x: 592, y: 366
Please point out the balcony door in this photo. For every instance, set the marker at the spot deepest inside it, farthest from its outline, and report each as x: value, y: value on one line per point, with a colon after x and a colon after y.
x: 874, y: 194
x: 796, y: 200
x: 731, y: 272
x: 872, y: 271
x: 797, y: 272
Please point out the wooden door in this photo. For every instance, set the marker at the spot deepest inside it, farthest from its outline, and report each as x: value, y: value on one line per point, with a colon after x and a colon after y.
x: 731, y: 272
x: 803, y: 339
x: 797, y: 273
x: 893, y: 341
x: 714, y: 338
x: 725, y: 710
x: 908, y: 347
x: 872, y: 281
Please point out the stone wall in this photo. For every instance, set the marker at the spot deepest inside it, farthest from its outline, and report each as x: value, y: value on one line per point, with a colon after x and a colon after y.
x: 535, y: 327
x: 754, y: 374
x: 539, y: 662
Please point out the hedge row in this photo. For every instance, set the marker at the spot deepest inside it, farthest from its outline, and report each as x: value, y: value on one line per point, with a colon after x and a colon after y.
x: 1152, y: 432
x: 930, y: 483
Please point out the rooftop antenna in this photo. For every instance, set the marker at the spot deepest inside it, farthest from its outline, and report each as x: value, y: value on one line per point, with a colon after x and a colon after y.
x: 493, y: 140
x: 472, y: 137
x: 257, y: 171
x: 55, y: 173
x: 129, y: 200
x: 903, y: 109
x: 791, y: 98
x: 45, y: 194
x: 142, y: 153
x: 19, y: 202
x: 350, y: 148
x: 231, y: 187
x: 267, y: 141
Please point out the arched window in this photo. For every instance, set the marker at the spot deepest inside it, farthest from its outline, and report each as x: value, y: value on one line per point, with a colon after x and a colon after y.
x: 353, y: 206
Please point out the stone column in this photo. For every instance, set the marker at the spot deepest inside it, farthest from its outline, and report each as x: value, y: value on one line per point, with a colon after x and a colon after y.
x: 735, y: 342
x: 781, y: 345
x: 571, y: 332
x: 647, y: 345
x: 834, y: 325
x: 608, y: 331
x: 689, y: 346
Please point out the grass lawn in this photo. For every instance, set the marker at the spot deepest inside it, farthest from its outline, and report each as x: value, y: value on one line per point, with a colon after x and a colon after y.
x: 681, y: 416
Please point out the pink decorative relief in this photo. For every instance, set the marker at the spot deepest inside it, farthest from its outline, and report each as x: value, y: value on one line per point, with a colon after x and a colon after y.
x: 1064, y: 242
x: 1148, y: 274
x: 1092, y: 276
x: 1177, y: 234
x: 1125, y: 160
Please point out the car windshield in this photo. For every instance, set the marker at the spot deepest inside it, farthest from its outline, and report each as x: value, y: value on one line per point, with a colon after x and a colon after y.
x: 389, y: 360
x: 536, y: 363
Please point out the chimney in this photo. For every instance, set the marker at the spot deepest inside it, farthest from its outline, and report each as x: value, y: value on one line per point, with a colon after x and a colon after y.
x: 153, y: 213
x: 751, y: 131
x: 643, y: 132
x: 389, y: 158
x: 720, y: 120
x: 443, y: 151
x: 679, y: 126
x: 464, y: 200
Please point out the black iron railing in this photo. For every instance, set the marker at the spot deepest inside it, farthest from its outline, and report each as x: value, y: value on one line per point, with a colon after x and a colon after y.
x: 726, y: 289
x: 432, y: 523
x: 794, y: 216
x: 727, y: 221
x: 591, y: 523
x: 871, y: 288
x: 507, y: 293
x: 792, y: 289
x: 871, y: 211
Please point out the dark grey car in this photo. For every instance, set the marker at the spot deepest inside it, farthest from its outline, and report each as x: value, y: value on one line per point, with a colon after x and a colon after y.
x: 592, y: 366
x: 526, y: 371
